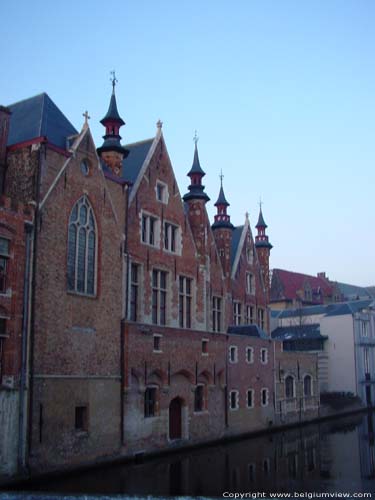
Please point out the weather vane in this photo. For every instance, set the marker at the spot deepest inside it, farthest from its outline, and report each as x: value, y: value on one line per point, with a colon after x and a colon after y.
x: 113, y: 79
x: 221, y: 176
x: 260, y: 203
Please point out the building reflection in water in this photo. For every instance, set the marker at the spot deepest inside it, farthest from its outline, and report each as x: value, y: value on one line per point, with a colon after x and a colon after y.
x: 332, y: 456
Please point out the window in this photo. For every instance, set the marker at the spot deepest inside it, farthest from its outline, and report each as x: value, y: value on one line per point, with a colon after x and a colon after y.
x: 289, y: 387
x: 366, y: 360
x: 184, y: 302
x: 264, y: 356
x: 82, y: 248
x: 261, y: 318
x: 134, y: 284
x: 307, y: 386
x: 233, y: 400
x: 84, y: 166
x: 250, y: 398
x: 233, y: 357
x: 264, y: 397
x: 1, y: 357
x: 216, y: 314
x: 249, y: 315
x: 249, y: 355
x: 170, y: 237
x: 249, y: 254
x: 150, y: 402
x: 4, y: 256
x: 159, y: 297
x: 250, y: 289
x: 364, y: 328
x: 81, y: 418
x: 237, y: 313
x: 161, y: 192
x: 205, y: 346
x: 157, y: 343
x: 199, y: 398
x: 149, y: 227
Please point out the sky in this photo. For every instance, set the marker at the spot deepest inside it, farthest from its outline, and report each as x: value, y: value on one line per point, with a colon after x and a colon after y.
x: 281, y: 93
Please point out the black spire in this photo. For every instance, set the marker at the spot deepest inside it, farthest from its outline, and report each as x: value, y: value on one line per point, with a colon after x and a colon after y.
x: 261, y: 239
x: 196, y: 173
x: 222, y: 219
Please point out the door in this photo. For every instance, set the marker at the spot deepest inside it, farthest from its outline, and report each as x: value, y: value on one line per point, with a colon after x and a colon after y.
x: 175, y: 419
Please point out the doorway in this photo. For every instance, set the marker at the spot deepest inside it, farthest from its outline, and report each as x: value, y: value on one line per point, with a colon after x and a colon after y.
x: 175, y: 419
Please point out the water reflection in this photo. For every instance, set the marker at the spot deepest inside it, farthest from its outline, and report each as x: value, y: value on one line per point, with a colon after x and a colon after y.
x: 333, y: 456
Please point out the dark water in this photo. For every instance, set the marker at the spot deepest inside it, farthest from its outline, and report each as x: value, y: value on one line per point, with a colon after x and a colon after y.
x: 335, y: 456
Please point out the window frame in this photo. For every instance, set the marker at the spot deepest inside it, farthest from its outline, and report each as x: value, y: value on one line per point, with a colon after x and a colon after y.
x: 249, y: 359
x: 264, y: 350
x: 216, y: 313
x: 287, y: 386
x: 159, y: 297
x: 237, y: 313
x: 185, y: 301
x: 234, y: 397
x: 171, y: 234
x: 264, y: 390
x: 4, y: 257
x: 134, y: 292
x: 305, y: 377
x: 252, y: 392
x: 150, y: 230
x: 199, y: 398
x: 150, y: 405
x: 234, y: 349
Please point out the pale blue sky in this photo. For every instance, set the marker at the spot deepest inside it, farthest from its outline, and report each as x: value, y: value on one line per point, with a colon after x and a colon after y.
x: 281, y: 93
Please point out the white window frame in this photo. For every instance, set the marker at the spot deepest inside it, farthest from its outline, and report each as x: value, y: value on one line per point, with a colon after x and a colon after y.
x: 252, y: 398
x: 267, y: 396
x: 264, y: 351
x: 233, y: 348
x: 364, y: 328
x: 250, y: 286
x: 249, y: 359
x: 261, y: 322
x: 249, y: 314
x: 185, y: 298
x: 165, y: 194
x: 237, y: 317
x: 159, y: 336
x: 150, y: 237
x: 217, y: 313
x: 237, y: 400
x: 171, y: 237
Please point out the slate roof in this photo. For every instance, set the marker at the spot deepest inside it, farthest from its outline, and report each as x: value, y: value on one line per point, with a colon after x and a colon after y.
x: 351, y: 307
x: 338, y: 309
x: 292, y: 282
x: 112, y: 113
x: 261, y: 222
x: 132, y: 165
x: 221, y: 199
x: 298, y: 332
x: 39, y: 116
x: 196, y: 167
x: 247, y: 330
x: 236, y: 236
x: 353, y: 292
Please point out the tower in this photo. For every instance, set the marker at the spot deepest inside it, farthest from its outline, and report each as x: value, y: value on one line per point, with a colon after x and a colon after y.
x: 263, y: 248
x: 222, y: 228
x: 111, y: 151
x: 196, y: 200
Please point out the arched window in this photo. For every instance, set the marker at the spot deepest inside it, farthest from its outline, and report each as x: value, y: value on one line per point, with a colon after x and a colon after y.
x: 82, y: 248
x: 289, y: 387
x: 307, y: 385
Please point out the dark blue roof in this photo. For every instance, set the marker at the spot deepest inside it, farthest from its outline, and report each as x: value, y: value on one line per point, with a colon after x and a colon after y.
x: 36, y: 117
x: 337, y: 309
x: 352, y: 292
x: 248, y: 330
x: 236, y: 236
x: 196, y: 167
x: 348, y: 307
x: 297, y: 332
x: 132, y: 165
x: 112, y: 113
x: 221, y: 199
x: 261, y: 222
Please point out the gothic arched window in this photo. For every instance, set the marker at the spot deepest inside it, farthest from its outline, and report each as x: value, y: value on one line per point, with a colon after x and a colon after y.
x: 82, y: 248
x: 289, y: 387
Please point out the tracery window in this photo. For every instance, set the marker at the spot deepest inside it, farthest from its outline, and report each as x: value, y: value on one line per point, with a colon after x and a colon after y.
x: 82, y: 248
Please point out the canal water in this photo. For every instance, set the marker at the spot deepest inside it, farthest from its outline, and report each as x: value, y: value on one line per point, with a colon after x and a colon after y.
x: 334, y: 456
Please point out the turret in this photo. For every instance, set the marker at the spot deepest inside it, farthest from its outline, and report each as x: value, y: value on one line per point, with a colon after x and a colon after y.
x: 263, y: 247
x: 222, y: 229
x: 111, y: 151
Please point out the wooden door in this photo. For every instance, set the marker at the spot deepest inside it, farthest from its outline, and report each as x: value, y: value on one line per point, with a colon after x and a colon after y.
x: 175, y: 427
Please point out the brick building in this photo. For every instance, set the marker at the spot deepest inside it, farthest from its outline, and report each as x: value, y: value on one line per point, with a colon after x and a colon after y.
x: 149, y: 325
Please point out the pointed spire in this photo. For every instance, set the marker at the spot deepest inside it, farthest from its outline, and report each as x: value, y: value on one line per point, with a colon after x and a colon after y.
x: 222, y: 219
x: 196, y: 173
x: 261, y: 239
x: 112, y: 114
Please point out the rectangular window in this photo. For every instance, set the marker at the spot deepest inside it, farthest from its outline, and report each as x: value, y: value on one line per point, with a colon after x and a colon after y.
x: 199, y: 398
x: 4, y: 256
x: 264, y: 356
x: 170, y: 237
x: 216, y: 314
x: 134, y: 284
x: 261, y: 318
x: 233, y: 358
x: 161, y: 192
x: 250, y: 398
x: 150, y: 402
x: 249, y: 355
x: 184, y: 302
x: 249, y: 315
x: 159, y: 297
x: 233, y: 400
x: 250, y: 289
x: 157, y: 343
x: 237, y: 313
x: 364, y: 328
x: 205, y: 346
x: 149, y: 224
x: 264, y: 397
x: 366, y: 360
x: 81, y: 418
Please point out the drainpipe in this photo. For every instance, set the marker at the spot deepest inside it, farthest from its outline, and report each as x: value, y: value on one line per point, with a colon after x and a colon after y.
x: 22, y: 417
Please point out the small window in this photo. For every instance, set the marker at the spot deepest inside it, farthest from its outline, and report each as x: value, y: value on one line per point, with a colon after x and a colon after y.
x: 264, y: 397
x: 150, y: 402
x: 157, y: 343
x: 364, y: 328
x: 84, y: 166
x: 199, y: 398
x: 170, y: 237
x: 264, y: 356
x: 250, y: 398
x: 161, y: 192
x: 249, y: 315
x: 307, y: 386
x: 261, y: 318
x: 4, y: 257
x: 233, y: 400
x: 250, y: 289
x: 184, y: 302
x: 233, y: 357
x: 134, y: 291
x: 249, y: 254
x: 3, y: 327
x: 205, y: 346
x: 149, y: 228
x: 216, y: 314
x: 237, y: 313
x: 249, y: 355
x: 81, y: 418
x: 289, y: 387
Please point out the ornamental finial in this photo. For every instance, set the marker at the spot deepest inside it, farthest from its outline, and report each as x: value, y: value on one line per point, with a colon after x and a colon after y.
x: 195, y: 138
x: 159, y: 124
x: 221, y: 176
x: 87, y: 117
x: 113, y: 79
